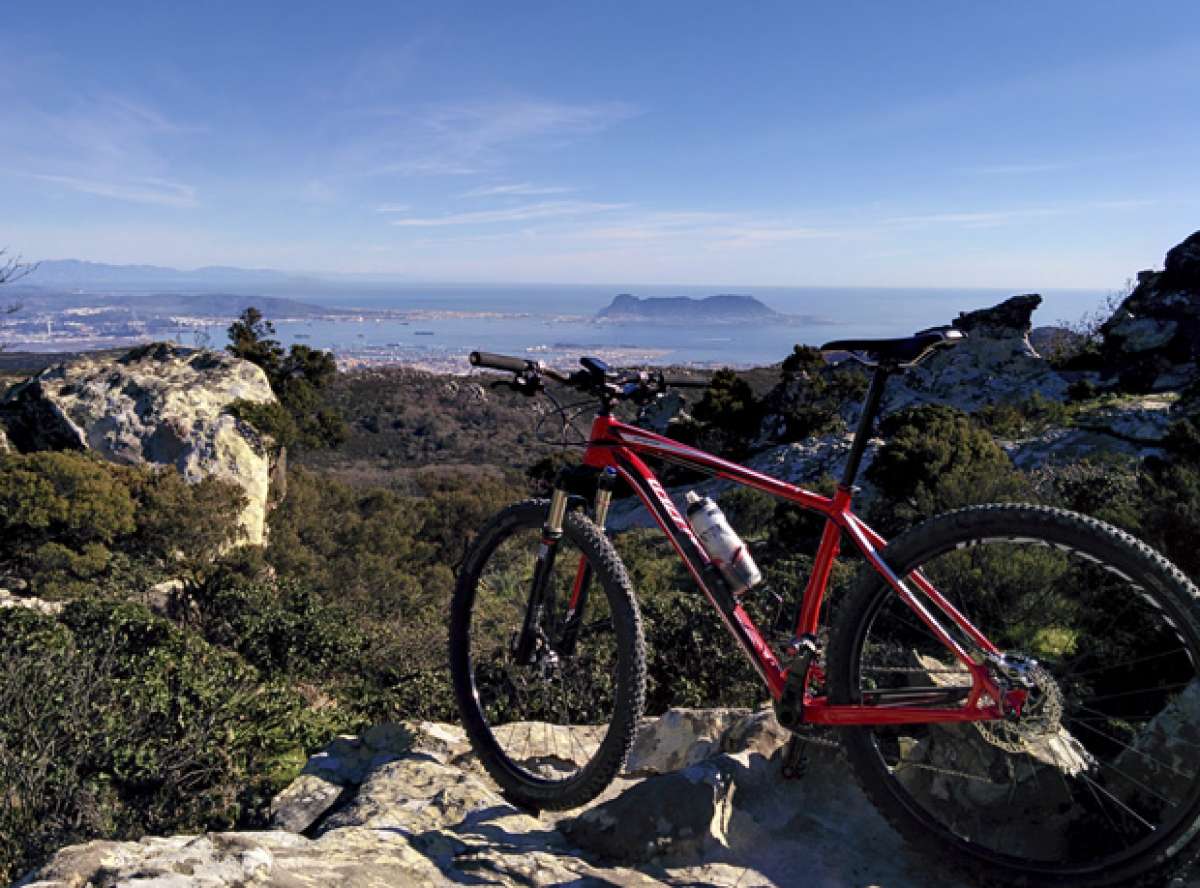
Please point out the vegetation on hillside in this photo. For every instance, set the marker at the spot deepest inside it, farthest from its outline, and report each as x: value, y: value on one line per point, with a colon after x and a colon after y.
x: 155, y: 706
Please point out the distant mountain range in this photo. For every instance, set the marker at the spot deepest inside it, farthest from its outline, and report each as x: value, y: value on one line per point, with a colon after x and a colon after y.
x: 721, y: 308
x: 76, y: 273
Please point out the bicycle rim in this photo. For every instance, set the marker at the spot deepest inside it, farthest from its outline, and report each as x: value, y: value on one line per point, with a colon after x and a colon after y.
x: 1103, y: 770
x: 546, y: 719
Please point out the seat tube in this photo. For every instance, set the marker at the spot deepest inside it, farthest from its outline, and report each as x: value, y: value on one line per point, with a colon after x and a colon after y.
x: 866, y: 425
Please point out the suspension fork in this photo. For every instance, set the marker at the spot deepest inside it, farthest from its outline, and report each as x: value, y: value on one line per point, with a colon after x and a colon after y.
x: 541, y: 590
x: 577, y: 606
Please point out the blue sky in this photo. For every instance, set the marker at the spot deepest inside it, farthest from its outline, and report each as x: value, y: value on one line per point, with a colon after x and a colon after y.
x: 1024, y: 145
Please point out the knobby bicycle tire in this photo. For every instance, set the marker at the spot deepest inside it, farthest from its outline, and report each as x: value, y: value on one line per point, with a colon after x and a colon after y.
x: 1116, y: 774
x: 520, y: 782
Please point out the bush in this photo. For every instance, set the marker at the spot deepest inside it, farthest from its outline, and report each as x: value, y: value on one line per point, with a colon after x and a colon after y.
x: 114, y: 722
x: 726, y: 420
x: 69, y: 522
x: 1016, y: 419
x: 1109, y: 489
x: 281, y: 627
x: 1171, y: 490
x: 812, y: 395
x: 296, y: 378
x: 935, y: 458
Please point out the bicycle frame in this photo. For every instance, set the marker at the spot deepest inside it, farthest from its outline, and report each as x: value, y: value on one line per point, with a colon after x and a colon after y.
x: 619, y: 446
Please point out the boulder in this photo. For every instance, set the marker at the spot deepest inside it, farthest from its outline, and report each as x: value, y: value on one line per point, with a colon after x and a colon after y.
x: 995, y: 364
x: 29, y: 602
x: 678, y: 739
x: 158, y: 404
x: 1152, y: 341
x: 674, y: 816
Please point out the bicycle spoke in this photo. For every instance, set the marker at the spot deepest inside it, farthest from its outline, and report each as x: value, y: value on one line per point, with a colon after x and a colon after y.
x: 1138, y: 692
x: 1136, y: 661
x: 1136, y: 816
x: 1135, y: 750
x: 1082, y: 639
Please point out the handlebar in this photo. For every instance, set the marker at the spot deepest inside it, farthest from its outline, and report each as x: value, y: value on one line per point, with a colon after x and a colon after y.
x: 683, y: 381
x: 499, y: 362
x: 640, y: 386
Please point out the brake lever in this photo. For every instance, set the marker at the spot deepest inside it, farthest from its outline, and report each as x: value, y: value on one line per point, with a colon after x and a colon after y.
x: 528, y: 386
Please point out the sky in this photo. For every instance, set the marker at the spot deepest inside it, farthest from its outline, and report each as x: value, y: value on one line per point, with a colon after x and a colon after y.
x: 1024, y: 145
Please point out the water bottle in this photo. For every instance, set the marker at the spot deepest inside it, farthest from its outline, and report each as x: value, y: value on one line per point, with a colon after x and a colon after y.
x: 722, y: 544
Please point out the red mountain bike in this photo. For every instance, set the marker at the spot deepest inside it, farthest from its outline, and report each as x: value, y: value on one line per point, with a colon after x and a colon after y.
x: 1016, y: 685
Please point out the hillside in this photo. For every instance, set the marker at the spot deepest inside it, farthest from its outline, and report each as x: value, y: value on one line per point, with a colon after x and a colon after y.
x: 168, y: 676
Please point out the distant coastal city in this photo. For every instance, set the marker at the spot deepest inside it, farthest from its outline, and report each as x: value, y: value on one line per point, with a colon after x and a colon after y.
x: 71, y: 306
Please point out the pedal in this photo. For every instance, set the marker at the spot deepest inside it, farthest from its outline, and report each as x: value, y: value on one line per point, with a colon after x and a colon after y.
x: 795, y: 758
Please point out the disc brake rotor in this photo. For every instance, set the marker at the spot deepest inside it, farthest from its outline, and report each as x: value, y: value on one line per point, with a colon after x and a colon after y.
x: 1041, y: 717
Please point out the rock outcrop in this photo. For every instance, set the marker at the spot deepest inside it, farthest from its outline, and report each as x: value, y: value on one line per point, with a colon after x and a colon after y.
x: 414, y: 808
x: 158, y: 404
x: 1152, y: 341
x: 1132, y: 426
x: 995, y: 364
x: 724, y: 308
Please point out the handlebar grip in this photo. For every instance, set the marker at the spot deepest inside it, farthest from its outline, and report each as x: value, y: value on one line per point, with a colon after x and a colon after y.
x: 684, y: 381
x: 498, y: 362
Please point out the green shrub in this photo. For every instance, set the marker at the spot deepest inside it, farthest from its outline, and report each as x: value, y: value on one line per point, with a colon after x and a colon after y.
x: 1171, y: 491
x: 115, y: 722
x: 1111, y: 489
x: 810, y: 399
x: 1082, y: 390
x: 726, y: 420
x: 281, y: 627
x: 1021, y: 418
x: 296, y: 376
x: 935, y: 458
x: 70, y: 522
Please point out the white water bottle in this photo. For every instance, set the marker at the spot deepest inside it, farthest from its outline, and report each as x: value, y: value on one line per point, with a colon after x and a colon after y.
x: 722, y: 544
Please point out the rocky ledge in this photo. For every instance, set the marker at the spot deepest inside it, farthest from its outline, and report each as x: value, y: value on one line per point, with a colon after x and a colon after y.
x: 701, y: 802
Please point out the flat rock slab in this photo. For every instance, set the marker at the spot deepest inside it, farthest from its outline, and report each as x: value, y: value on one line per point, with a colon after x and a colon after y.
x: 423, y: 814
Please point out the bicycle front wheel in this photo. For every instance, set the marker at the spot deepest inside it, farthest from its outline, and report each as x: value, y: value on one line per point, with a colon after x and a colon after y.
x: 550, y: 701
x: 1098, y: 782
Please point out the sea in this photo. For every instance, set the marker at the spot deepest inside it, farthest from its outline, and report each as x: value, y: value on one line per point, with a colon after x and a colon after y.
x: 559, y: 322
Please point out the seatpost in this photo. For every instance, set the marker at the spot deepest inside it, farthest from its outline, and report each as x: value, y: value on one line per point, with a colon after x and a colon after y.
x: 866, y: 424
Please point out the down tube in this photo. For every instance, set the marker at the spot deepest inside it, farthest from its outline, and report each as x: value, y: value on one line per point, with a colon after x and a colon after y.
x: 675, y: 526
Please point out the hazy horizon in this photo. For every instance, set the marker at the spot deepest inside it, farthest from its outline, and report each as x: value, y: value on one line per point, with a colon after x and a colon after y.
x: 319, y: 279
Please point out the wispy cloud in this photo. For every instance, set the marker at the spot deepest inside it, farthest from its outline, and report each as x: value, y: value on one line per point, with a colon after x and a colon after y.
x: 1017, y: 169
x: 474, y: 129
x: 393, y: 208
x: 419, y: 166
x: 143, y: 191
x: 988, y: 218
x: 995, y: 217
x: 103, y: 144
x: 522, y: 189
x: 545, y: 210
x: 465, y: 138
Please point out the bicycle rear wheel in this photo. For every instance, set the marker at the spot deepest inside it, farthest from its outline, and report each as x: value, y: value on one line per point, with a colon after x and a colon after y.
x: 554, y: 730
x: 1098, y: 783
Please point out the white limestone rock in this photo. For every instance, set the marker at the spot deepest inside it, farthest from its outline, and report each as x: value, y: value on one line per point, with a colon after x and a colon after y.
x: 158, y: 405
